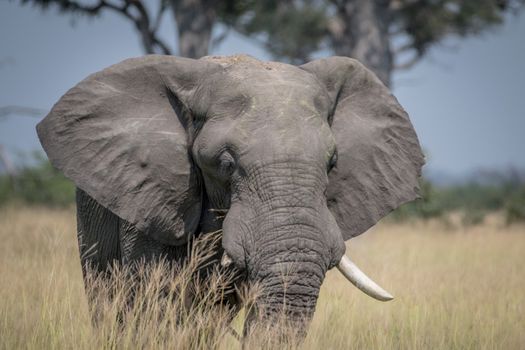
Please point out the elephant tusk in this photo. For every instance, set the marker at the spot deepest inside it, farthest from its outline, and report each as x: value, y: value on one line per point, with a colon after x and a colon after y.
x: 226, y: 260
x: 362, y: 281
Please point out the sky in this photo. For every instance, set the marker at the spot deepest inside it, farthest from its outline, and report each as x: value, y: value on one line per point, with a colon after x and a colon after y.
x: 466, y: 99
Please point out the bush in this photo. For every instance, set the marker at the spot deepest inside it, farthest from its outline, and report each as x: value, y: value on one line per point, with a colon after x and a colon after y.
x: 505, y: 191
x: 39, y: 183
x: 473, y: 217
x: 430, y: 205
x: 515, y: 206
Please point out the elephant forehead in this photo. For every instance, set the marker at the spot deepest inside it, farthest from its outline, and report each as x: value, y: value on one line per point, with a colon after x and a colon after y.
x: 273, y: 136
x: 265, y: 85
x: 275, y: 79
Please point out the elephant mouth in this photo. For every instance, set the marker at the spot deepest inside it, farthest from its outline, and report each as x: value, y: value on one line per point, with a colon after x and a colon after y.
x: 283, y: 323
x: 283, y: 317
x: 351, y: 272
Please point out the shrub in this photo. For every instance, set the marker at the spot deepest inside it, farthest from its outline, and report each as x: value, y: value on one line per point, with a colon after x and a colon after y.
x: 515, y: 206
x: 428, y: 206
x: 38, y: 183
x: 473, y: 217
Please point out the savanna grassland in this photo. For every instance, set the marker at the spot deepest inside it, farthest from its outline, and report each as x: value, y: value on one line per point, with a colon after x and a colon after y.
x: 456, y: 288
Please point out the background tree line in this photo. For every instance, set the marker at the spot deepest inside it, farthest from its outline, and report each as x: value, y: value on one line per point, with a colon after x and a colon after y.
x: 499, y: 191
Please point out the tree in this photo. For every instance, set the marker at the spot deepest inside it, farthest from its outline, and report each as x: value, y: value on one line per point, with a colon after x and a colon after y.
x: 194, y: 20
x: 383, y: 34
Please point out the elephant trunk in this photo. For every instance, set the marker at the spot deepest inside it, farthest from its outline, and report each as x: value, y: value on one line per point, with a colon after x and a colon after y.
x: 280, y: 231
x: 287, y: 288
x: 287, y: 267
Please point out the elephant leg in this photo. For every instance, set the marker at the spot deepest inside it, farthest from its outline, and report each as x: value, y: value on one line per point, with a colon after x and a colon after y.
x: 98, y: 235
x: 139, y: 250
x: 98, y: 241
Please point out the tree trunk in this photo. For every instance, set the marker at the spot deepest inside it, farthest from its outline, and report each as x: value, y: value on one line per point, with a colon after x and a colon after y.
x: 360, y: 30
x: 194, y: 20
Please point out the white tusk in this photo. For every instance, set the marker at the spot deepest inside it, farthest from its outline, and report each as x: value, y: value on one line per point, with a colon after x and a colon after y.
x: 362, y: 281
x: 226, y: 260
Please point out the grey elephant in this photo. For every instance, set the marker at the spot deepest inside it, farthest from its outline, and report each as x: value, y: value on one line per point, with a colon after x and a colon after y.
x: 295, y: 159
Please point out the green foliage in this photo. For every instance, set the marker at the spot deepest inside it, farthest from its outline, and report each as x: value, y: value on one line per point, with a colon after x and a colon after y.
x: 37, y: 184
x: 40, y: 183
x: 515, y: 206
x: 428, y: 22
x: 473, y: 217
x: 295, y: 30
x: 430, y: 205
x: 289, y: 30
x: 474, y: 199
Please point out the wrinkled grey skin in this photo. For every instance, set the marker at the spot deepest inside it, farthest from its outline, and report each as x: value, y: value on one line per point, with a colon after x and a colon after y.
x: 300, y: 158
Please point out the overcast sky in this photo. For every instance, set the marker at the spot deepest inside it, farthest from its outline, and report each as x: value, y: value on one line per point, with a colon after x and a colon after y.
x: 467, y: 104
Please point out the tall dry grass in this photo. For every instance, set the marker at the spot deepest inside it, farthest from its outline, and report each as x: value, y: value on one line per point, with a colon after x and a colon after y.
x: 455, y: 288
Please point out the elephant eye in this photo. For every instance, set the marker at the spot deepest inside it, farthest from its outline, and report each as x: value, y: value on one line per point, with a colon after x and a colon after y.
x: 333, y: 161
x: 226, y: 164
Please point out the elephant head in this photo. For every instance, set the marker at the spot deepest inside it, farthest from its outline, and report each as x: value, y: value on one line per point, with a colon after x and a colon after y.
x: 296, y: 160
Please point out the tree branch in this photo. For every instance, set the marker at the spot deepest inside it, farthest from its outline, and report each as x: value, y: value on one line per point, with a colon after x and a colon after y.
x: 150, y: 41
x: 142, y: 23
x: 123, y: 10
x: 340, y: 5
x: 21, y: 110
x: 219, y: 39
x: 158, y: 19
x: 403, y: 48
x: 78, y: 7
x: 409, y: 63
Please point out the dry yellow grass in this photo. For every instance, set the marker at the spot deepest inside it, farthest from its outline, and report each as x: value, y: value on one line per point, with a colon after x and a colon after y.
x: 455, y: 288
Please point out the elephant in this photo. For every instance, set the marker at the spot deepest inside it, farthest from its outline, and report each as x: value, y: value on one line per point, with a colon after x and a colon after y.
x: 288, y: 161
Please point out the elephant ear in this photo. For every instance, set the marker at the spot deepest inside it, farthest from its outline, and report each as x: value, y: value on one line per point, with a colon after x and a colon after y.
x: 379, y: 156
x: 121, y: 136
